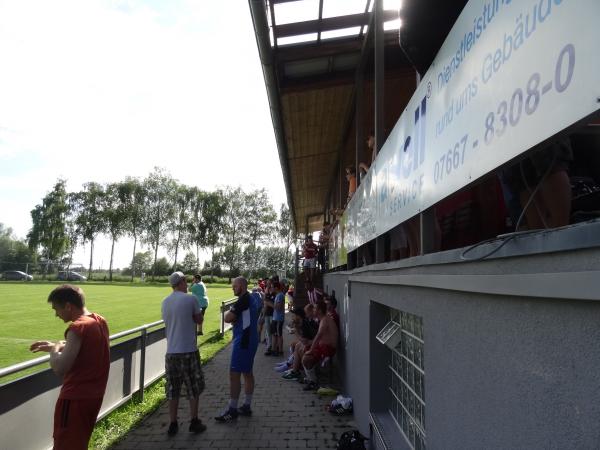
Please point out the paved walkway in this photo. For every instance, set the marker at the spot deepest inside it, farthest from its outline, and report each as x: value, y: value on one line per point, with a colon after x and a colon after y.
x: 284, y: 416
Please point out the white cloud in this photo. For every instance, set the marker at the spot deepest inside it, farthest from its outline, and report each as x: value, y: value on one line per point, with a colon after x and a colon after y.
x: 103, y: 89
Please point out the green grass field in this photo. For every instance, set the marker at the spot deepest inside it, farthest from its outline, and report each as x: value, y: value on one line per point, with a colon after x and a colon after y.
x: 26, y: 316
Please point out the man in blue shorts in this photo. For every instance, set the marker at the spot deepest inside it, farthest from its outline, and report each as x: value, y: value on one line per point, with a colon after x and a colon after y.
x: 244, y: 317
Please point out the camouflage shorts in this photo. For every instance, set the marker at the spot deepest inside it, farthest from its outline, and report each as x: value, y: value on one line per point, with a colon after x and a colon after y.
x: 183, y: 368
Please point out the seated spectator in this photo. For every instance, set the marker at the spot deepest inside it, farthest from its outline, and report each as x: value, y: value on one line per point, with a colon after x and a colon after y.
x: 311, y: 316
x: 314, y: 294
x: 331, y: 303
x: 305, y: 330
x: 323, y: 345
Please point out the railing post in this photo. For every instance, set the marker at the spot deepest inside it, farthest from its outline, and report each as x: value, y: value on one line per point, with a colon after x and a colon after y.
x: 142, y: 364
x: 222, y: 318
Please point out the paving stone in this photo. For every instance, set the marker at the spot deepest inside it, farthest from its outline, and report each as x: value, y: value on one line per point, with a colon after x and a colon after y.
x: 284, y: 416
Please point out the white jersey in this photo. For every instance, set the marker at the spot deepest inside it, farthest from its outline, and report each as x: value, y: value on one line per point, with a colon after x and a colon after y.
x: 178, y: 311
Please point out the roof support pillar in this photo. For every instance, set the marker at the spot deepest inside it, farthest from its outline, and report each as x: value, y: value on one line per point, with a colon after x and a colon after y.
x: 379, y: 72
x: 379, y: 105
x: 359, y: 121
x: 429, y: 233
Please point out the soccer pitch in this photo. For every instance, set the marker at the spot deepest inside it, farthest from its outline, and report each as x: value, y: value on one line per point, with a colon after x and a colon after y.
x: 26, y: 316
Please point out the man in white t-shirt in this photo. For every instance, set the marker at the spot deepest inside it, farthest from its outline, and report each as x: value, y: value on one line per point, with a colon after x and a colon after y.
x: 181, y: 313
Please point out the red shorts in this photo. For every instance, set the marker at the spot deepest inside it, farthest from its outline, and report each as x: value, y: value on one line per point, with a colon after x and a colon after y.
x: 74, y: 421
x: 322, y: 351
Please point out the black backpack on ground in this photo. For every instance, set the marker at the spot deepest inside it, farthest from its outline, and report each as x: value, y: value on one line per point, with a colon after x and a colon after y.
x: 351, y: 440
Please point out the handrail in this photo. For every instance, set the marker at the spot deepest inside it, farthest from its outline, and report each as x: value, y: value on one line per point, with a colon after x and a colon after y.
x: 5, y: 371
x: 224, y: 308
x: 136, y: 329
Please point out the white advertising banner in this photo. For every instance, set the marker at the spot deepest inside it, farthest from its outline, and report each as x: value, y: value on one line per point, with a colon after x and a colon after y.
x: 509, y: 75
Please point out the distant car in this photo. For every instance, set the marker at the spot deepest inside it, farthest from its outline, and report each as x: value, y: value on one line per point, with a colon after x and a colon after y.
x: 16, y: 275
x: 70, y: 276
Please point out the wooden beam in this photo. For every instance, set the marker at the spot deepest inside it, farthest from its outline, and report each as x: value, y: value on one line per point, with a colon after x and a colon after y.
x: 326, y: 80
x: 331, y: 23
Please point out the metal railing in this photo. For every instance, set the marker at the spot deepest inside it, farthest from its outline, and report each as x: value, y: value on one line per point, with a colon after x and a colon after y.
x: 19, y: 367
x: 225, y: 305
x: 136, y: 363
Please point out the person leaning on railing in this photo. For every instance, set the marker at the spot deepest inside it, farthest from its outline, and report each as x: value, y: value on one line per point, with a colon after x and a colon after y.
x: 83, y: 362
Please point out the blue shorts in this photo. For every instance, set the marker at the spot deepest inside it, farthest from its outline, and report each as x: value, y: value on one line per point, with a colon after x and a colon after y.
x: 242, y: 359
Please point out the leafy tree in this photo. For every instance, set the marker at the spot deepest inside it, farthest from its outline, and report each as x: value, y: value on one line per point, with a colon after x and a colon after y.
x: 258, y: 224
x: 197, y: 224
x: 90, y: 218
x: 161, y: 267
x: 158, y: 209
x: 232, y: 257
x: 189, y: 264
x: 211, y: 268
x: 141, y: 262
x: 14, y: 253
x: 180, y: 220
x: 133, y: 194
x: 234, y: 212
x: 71, y: 229
x: 285, y: 231
x: 49, y: 224
x: 115, y: 215
x: 214, y: 217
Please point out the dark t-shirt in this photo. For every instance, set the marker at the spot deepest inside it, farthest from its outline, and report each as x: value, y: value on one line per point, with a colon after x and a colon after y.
x: 309, y: 329
x: 269, y: 309
x: 245, y: 331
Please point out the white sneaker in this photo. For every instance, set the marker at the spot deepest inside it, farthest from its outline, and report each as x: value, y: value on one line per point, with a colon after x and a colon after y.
x: 282, y: 368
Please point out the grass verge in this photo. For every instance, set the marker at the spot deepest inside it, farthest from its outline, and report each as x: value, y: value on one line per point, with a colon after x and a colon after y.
x: 114, y: 427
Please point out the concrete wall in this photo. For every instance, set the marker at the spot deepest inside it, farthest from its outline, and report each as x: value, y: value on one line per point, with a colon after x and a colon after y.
x: 511, y: 345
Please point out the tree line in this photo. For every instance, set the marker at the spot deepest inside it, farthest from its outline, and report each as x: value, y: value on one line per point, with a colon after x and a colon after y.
x: 242, y: 230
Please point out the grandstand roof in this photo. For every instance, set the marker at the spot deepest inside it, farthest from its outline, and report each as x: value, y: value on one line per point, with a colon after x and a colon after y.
x: 311, y: 51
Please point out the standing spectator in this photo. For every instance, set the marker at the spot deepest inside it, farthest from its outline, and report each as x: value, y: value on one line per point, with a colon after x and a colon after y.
x: 268, y: 315
x: 309, y: 251
x: 278, y: 319
x: 351, y: 178
x: 199, y: 291
x: 83, y: 362
x: 181, y: 313
x: 323, y: 246
x: 364, y: 167
x: 244, y: 317
x: 290, y: 297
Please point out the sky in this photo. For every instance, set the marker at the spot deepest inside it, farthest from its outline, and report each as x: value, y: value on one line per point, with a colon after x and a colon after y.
x: 97, y: 90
